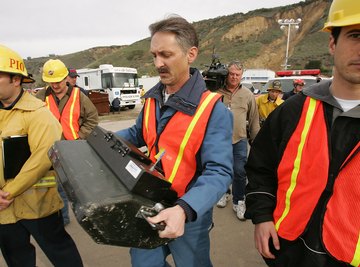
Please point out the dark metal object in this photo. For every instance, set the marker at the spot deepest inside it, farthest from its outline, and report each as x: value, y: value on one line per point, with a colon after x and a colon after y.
x: 104, y: 207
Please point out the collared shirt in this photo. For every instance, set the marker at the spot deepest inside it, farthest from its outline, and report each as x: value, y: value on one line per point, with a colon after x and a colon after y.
x: 243, y: 106
x: 266, y: 154
x: 30, y: 117
x: 13, y: 103
x: 266, y: 106
x: 88, y: 112
x: 214, y: 163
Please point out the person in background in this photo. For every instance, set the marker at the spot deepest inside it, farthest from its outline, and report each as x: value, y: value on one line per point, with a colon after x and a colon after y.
x: 241, y: 102
x: 72, y: 79
x: 142, y: 93
x: 268, y: 102
x: 194, y: 129
x: 73, y: 109
x: 29, y: 200
x: 303, y: 167
x: 298, y: 86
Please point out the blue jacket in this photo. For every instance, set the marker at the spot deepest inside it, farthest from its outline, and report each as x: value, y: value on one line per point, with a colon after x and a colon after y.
x: 214, y: 159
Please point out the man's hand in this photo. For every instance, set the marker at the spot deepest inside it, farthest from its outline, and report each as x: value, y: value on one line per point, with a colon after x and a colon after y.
x: 174, y: 219
x: 263, y: 232
x: 4, y: 203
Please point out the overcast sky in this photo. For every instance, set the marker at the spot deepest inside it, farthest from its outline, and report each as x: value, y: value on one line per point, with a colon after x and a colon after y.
x: 38, y: 28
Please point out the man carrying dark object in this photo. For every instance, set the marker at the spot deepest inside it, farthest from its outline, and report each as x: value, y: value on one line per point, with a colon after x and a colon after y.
x: 303, y: 167
x: 29, y: 201
x: 193, y: 129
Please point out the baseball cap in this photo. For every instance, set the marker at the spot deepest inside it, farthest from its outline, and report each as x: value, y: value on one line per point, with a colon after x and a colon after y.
x: 73, y: 73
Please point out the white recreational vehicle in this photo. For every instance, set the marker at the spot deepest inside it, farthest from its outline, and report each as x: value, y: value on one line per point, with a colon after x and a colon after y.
x: 121, y: 84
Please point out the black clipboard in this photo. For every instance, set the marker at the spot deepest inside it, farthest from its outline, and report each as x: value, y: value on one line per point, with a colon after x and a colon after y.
x: 16, y: 151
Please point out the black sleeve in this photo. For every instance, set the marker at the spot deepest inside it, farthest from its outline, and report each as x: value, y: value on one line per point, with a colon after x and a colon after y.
x: 265, y: 155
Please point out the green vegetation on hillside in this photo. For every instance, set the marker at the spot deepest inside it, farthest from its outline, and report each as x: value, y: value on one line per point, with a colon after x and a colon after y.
x: 245, y: 47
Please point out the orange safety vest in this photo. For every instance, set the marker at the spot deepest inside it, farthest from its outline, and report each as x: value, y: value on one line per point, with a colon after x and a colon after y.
x: 301, y: 181
x: 69, y: 117
x: 181, y: 139
x: 341, y: 227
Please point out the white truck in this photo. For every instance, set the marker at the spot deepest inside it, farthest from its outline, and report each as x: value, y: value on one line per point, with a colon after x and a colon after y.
x: 258, y: 77
x: 148, y: 82
x: 121, y: 84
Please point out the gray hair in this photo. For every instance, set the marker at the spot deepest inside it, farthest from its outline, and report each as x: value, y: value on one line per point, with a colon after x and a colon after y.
x: 236, y: 63
x: 184, y: 31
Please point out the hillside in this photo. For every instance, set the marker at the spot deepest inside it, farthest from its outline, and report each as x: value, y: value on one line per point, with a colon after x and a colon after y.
x: 254, y: 38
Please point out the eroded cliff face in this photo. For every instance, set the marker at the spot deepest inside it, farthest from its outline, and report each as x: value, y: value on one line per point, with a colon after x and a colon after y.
x: 248, y: 28
x: 272, y: 55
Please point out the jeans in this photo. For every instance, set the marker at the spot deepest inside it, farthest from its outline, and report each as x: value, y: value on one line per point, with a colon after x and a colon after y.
x: 65, y: 209
x: 239, y: 180
x: 190, y: 250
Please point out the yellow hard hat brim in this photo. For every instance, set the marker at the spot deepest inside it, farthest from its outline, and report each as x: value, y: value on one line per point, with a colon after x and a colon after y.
x: 53, y: 80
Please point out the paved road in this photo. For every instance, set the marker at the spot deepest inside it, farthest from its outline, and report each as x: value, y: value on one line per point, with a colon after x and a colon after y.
x: 232, y: 240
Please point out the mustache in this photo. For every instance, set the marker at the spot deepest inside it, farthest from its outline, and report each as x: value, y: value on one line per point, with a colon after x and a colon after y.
x: 163, y: 70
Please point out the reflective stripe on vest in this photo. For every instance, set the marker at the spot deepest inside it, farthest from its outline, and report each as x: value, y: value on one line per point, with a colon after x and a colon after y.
x: 298, y: 190
x: 181, y: 139
x: 149, y: 121
x: 341, y: 225
x: 49, y: 181
x: 69, y: 117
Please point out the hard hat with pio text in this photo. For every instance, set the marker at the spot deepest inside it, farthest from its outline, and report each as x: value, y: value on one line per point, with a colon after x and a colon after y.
x: 54, y: 71
x: 11, y: 62
x: 275, y: 85
x: 343, y: 13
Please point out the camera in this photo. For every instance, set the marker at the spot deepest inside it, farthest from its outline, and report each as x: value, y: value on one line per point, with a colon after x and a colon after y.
x: 216, y: 75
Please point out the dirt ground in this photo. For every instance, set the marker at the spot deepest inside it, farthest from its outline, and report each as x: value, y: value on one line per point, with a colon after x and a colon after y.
x: 232, y: 242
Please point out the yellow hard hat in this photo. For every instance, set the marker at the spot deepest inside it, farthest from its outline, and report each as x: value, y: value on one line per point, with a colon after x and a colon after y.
x: 343, y: 13
x: 11, y: 62
x: 54, y: 71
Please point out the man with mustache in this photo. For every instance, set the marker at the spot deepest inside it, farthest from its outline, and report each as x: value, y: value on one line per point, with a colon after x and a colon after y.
x: 304, y: 165
x: 194, y: 129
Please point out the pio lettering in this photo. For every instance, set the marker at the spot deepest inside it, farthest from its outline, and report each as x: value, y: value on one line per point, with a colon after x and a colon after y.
x: 16, y: 64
